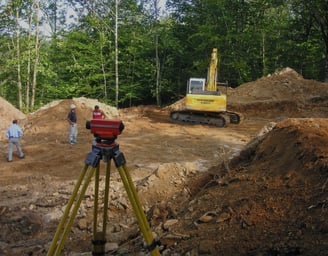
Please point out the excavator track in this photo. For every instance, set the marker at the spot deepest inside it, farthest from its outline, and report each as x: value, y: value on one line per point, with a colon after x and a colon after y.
x: 234, y: 117
x: 206, y: 118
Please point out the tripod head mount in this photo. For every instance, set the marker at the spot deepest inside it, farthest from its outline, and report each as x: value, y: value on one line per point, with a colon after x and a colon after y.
x: 105, y: 131
x: 105, y: 153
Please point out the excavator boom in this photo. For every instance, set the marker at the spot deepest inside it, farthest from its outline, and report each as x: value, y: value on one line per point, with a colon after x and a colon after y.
x: 212, y: 72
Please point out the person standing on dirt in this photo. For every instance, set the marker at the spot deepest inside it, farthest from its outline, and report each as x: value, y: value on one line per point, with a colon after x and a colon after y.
x: 72, y: 120
x: 97, y: 113
x: 14, y: 134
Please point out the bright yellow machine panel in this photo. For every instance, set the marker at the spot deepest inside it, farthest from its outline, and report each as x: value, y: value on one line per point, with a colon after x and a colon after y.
x: 206, y: 102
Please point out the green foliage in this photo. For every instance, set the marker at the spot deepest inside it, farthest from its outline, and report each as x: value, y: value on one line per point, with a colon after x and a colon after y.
x: 254, y: 38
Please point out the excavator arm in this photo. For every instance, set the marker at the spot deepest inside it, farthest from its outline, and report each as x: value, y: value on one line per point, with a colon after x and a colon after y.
x: 211, y: 84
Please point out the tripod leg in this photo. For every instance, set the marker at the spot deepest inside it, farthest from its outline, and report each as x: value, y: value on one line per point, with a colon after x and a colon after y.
x: 67, y: 210
x: 95, y: 203
x: 136, y: 205
x: 99, y: 238
x: 65, y: 229
x: 106, y: 197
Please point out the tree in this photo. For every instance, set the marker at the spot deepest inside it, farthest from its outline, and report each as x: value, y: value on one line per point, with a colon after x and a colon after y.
x: 25, y: 43
x: 154, y: 12
x: 313, y: 17
x: 13, y: 10
x: 36, y: 54
x: 126, y: 53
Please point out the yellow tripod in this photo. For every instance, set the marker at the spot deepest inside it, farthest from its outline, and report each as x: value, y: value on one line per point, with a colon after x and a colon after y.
x: 106, y: 152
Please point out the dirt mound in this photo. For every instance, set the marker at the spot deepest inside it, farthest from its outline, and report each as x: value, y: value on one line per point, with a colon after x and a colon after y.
x: 51, y: 119
x: 284, y: 85
x: 303, y: 148
x: 285, y: 93
x: 274, y: 197
x: 8, y: 113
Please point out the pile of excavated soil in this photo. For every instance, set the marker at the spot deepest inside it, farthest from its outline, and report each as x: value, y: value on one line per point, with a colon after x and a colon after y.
x: 273, y: 201
x: 52, y: 118
x: 283, y: 94
x: 8, y: 113
x: 258, y: 188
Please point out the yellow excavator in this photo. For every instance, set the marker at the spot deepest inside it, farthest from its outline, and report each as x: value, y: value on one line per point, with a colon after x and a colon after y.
x: 204, y: 103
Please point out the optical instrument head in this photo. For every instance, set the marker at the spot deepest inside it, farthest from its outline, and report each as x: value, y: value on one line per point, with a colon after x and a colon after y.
x: 105, y: 130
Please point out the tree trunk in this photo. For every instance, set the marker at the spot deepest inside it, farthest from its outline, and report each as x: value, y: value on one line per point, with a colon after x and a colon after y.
x: 102, y: 36
x: 19, y: 79
x: 325, y: 38
x: 28, y: 75
x: 36, y: 61
x: 326, y: 66
x: 116, y: 53
x: 264, y: 68
x: 158, y: 69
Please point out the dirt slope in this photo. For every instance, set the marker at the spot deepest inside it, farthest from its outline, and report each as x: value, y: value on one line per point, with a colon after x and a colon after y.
x: 8, y: 114
x: 273, y: 201
x: 283, y: 94
x: 259, y: 188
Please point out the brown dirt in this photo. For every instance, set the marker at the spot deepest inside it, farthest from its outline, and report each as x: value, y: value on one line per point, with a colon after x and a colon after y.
x: 258, y: 188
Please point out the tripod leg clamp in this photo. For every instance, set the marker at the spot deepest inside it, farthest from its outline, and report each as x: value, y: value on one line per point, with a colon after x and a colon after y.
x: 119, y: 159
x: 99, y: 242
x: 93, y: 157
x: 153, y: 245
x: 99, y: 247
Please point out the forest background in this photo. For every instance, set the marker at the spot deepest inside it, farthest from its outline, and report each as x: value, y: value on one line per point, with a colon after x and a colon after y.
x: 127, y: 53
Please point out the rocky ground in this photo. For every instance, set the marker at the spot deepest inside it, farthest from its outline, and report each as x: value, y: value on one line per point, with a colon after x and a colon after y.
x: 257, y: 188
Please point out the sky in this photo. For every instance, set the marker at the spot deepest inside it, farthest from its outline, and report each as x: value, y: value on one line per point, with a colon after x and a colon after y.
x: 162, y: 3
x: 46, y: 29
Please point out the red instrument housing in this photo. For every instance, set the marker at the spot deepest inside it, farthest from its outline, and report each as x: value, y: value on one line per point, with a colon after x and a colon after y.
x: 105, y: 128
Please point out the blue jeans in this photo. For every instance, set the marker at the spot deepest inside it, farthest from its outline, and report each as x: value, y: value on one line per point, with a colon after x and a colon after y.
x: 12, y: 142
x: 72, y: 133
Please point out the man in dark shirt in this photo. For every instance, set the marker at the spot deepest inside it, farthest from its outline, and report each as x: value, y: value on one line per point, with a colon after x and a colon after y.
x: 72, y: 120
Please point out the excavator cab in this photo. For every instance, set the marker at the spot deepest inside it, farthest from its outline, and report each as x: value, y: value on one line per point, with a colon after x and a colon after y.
x: 196, y: 85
